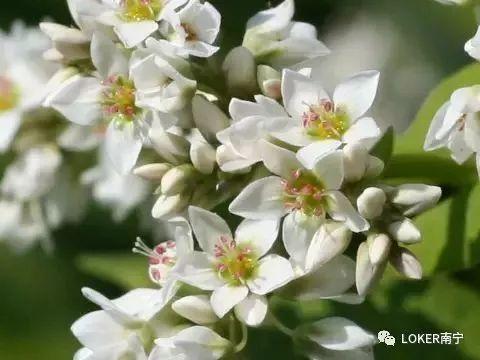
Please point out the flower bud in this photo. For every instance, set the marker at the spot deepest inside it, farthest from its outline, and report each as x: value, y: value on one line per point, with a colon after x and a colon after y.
x: 167, y: 206
x: 370, y: 202
x: 172, y: 147
x: 196, y: 309
x: 378, y: 248
x: 208, y: 118
x: 367, y: 274
x: 269, y: 81
x: 240, y: 71
x: 355, y: 157
x: 177, y: 179
x: 406, y: 263
x: 152, y: 172
x: 70, y: 44
x: 203, y: 157
x: 405, y: 231
x: 331, y: 239
x: 413, y: 199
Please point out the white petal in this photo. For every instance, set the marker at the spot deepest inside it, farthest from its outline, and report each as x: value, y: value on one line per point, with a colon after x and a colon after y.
x: 272, y: 273
x: 472, y: 132
x: 340, y: 209
x: 107, y: 57
x: 279, y: 161
x: 259, y: 234
x: 226, y: 297
x: 252, y: 310
x: 208, y: 117
x: 461, y: 152
x: 260, y: 200
x: 197, y: 270
x: 10, y: 121
x: 273, y: 19
x: 123, y: 146
x: 329, y: 169
x: 310, y: 154
x: 336, y: 333
x: 195, y: 308
x: 356, y: 94
x: 208, y: 228
x: 362, y: 129
x: 133, y: 33
x: 433, y: 142
x: 299, y: 92
x: 78, y: 99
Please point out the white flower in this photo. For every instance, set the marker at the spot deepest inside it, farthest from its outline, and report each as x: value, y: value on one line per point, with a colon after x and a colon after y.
x: 193, y: 343
x: 252, y: 122
x: 132, y: 20
x: 472, y: 46
x: 23, y: 78
x: 276, y: 40
x: 321, y: 124
x: 121, y: 193
x: 236, y: 268
x: 300, y: 188
x: 122, y: 325
x: 456, y: 125
x: 193, y: 29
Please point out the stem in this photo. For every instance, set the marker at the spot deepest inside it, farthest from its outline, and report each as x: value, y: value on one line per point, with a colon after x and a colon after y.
x: 284, y: 329
x: 241, y: 345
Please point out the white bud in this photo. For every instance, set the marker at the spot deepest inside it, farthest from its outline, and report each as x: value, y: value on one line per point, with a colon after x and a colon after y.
x: 413, y: 199
x: 367, y: 274
x: 375, y: 167
x: 167, y: 206
x: 208, y: 118
x: 240, y: 71
x: 195, y: 308
x: 170, y: 146
x: 177, y: 179
x: 203, y: 156
x: 269, y: 81
x: 405, y: 231
x: 406, y: 263
x: 331, y: 239
x: 152, y: 172
x: 69, y: 43
x: 378, y: 248
x: 355, y: 157
x: 370, y: 203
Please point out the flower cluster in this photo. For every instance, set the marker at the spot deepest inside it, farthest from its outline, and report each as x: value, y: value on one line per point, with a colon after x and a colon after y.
x: 263, y: 177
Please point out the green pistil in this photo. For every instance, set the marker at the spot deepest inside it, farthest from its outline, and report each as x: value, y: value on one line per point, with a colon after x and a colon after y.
x: 324, y: 121
x: 140, y: 10
x: 119, y: 99
x: 304, y: 192
x: 9, y: 94
x: 235, y: 263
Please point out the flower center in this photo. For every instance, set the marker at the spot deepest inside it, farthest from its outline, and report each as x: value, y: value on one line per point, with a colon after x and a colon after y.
x: 119, y: 99
x: 161, y: 259
x: 323, y: 121
x: 9, y: 94
x: 191, y: 35
x: 235, y: 263
x: 140, y: 10
x: 304, y: 192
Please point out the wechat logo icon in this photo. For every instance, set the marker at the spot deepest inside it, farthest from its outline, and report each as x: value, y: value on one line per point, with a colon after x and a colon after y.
x: 385, y: 337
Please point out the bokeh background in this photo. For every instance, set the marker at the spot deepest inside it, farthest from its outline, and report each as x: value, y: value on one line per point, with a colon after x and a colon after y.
x: 414, y: 43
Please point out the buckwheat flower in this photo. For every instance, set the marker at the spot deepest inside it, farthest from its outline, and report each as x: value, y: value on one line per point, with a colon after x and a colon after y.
x: 298, y: 187
x: 23, y: 78
x: 455, y: 126
x: 193, y: 28
x: 252, y: 122
x: 276, y: 40
x: 125, y: 325
x: 196, y: 342
x: 237, y: 268
x: 472, y: 46
x: 321, y: 124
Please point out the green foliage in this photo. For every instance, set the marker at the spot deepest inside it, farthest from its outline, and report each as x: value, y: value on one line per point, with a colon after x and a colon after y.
x: 124, y: 270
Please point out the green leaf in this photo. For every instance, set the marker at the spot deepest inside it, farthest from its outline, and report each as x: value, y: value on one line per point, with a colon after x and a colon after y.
x: 125, y: 270
x: 384, y: 148
x: 412, y: 141
x: 451, y: 233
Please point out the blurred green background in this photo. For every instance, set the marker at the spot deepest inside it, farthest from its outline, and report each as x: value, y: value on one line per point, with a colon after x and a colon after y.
x: 415, y: 43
